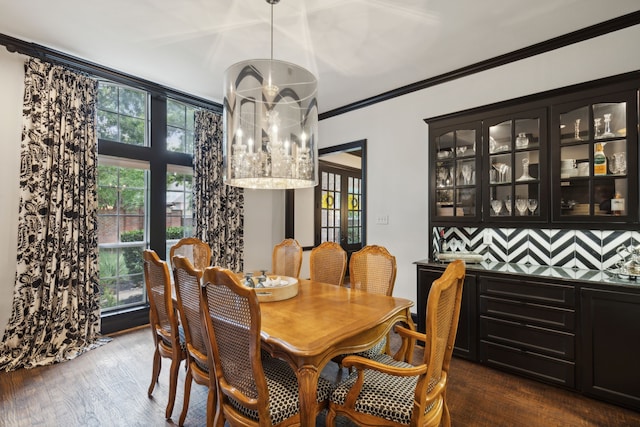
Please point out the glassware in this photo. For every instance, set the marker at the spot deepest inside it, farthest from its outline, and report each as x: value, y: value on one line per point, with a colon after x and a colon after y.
x: 443, y: 173
x: 532, y: 205
x: 461, y: 150
x: 525, y: 170
x: 619, y: 163
x: 576, y: 133
x: 522, y: 141
x: 596, y: 128
x: 496, y: 205
x: 521, y: 205
x: 504, y: 172
x: 607, y: 127
x: 466, y: 174
x: 507, y: 204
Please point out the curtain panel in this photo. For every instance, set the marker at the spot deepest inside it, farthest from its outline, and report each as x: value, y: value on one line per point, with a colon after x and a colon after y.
x: 56, y: 313
x: 218, y: 208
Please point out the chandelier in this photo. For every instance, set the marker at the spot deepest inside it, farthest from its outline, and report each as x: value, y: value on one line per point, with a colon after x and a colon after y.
x: 270, y: 124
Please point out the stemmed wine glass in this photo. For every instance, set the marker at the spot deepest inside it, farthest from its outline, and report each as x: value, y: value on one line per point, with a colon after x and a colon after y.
x: 466, y: 174
x: 496, y: 205
x: 521, y: 205
x: 507, y: 204
x: 443, y: 173
x: 532, y: 204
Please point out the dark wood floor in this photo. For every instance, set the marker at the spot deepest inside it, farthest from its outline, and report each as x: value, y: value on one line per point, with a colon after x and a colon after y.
x: 108, y: 387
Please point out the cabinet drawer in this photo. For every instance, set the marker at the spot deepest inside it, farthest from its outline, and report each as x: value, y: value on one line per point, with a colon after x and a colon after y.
x: 543, y: 315
x: 527, y: 337
x: 544, y: 368
x: 542, y: 293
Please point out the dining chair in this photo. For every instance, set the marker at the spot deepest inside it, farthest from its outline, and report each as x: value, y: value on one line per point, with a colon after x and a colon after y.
x: 384, y: 391
x: 253, y: 390
x: 373, y: 269
x: 328, y: 263
x: 287, y: 258
x: 187, y: 281
x: 194, y: 249
x: 168, y: 337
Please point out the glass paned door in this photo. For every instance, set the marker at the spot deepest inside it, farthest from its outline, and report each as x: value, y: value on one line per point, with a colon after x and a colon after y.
x: 516, y: 149
x: 340, y: 216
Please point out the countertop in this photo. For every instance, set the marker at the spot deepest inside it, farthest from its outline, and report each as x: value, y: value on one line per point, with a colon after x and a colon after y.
x: 543, y: 271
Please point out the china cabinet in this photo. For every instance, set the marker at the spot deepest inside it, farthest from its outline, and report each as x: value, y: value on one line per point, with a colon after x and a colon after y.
x: 455, y: 178
x: 557, y: 158
x: 517, y: 172
x: 595, y: 141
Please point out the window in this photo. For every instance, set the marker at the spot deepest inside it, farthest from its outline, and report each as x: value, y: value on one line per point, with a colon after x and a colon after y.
x: 122, y: 236
x: 180, y: 127
x: 122, y: 114
x: 179, y: 204
x: 145, y: 189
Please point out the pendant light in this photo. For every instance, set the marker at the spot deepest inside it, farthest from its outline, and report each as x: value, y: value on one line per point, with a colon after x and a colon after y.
x: 270, y: 124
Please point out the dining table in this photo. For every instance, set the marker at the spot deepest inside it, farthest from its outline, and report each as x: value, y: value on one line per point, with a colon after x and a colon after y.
x: 321, y: 322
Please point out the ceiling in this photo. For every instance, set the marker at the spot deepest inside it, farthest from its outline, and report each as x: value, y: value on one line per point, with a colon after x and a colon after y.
x: 356, y: 48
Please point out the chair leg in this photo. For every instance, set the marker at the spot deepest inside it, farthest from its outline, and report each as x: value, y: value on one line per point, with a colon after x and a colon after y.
x: 330, y: 419
x: 446, y: 417
x: 173, y: 385
x: 187, y: 394
x: 211, y: 405
x: 156, y: 371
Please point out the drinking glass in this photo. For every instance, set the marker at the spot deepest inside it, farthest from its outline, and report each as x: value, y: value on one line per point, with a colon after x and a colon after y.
x: 532, y: 204
x: 496, y: 205
x: 466, y: 174
x: 521, y: 205
x: 507, y: 204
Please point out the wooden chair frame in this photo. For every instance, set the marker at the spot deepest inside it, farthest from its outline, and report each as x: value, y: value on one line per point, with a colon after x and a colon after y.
x: 166, y: 342
x: 286, y: 259
x: 328, y: 263
x: 201, y: 252
x: 451, y: 281
x: 197, y: 358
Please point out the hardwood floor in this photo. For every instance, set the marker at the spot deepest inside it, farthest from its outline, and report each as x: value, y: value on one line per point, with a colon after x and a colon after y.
x: 108, y: 387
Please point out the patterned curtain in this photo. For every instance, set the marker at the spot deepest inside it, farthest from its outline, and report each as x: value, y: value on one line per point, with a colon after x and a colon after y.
x: 219, y: 208
x: 56, y: 314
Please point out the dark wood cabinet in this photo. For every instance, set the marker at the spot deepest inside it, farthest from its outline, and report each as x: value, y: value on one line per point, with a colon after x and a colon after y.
x: 575, y: 334
x: 611, y: 345
x: 528, y: 327
x: 466, y: 337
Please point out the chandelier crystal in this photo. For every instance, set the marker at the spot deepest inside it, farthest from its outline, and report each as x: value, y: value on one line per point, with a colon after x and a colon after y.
x: 270, y: 124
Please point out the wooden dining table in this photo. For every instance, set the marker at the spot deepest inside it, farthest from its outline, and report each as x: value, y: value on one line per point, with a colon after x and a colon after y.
x: 321, y: 322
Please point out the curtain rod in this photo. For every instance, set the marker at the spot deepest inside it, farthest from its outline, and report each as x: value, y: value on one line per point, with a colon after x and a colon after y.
x: 35, y: 50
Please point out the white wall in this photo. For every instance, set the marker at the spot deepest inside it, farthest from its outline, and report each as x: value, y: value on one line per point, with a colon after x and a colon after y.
x: 396, y: 151
x: 11, y: 90
x: 397, y: 136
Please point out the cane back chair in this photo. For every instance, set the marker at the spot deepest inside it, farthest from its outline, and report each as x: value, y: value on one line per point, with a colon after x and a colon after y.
x: 187, y: 282
x: 253, y: 390
x: 287, y: 258
x: 194, y: 249
x: 328, y: 263
x: 168, y: 338
x: 384, y: 391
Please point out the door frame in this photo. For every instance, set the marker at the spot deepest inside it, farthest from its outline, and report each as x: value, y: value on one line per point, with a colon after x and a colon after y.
x: 290, y: 194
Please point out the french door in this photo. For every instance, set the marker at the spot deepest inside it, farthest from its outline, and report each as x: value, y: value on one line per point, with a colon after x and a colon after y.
x: 339, y: 213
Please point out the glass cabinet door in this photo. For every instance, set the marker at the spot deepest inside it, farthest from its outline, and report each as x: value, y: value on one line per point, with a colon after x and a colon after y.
x: 594, y: 147
x: 515, y: 178
x: 454, y: 178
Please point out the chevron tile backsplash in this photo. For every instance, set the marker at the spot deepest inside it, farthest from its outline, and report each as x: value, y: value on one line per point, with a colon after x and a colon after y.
x: 580, y: 249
